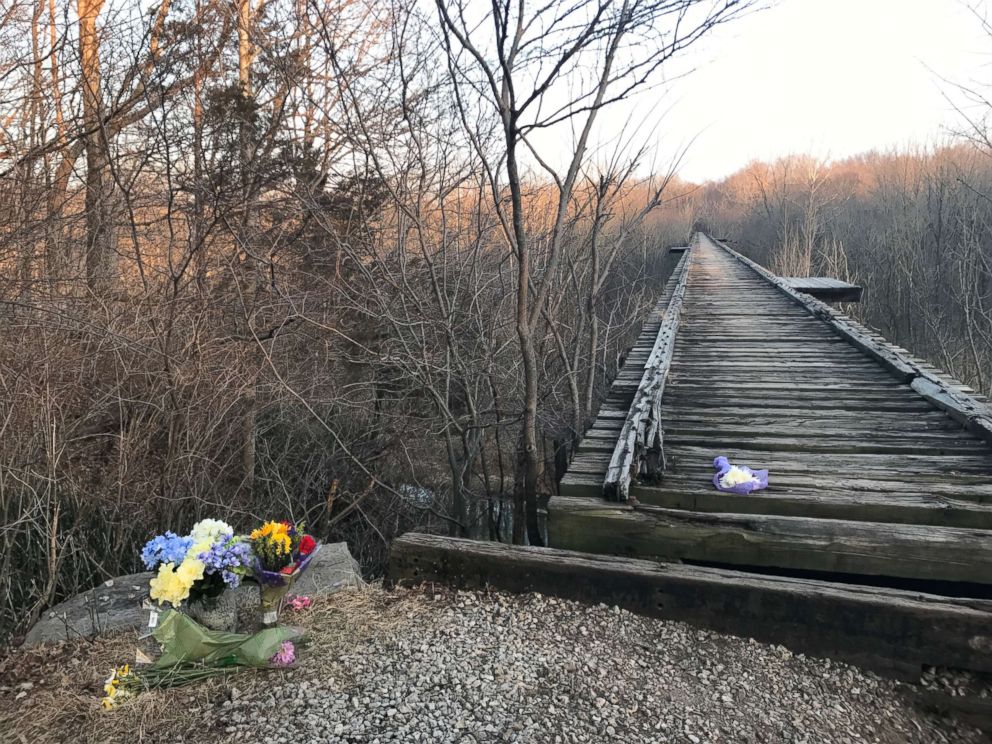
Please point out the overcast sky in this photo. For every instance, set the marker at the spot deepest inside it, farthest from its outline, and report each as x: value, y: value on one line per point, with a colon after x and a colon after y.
x: 829, y: 77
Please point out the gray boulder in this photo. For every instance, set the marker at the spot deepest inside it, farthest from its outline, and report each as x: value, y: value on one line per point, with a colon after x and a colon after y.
x: 117, y: 604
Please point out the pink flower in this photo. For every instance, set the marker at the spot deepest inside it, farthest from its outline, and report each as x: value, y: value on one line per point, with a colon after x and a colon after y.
x: 299, y: 602
x: 285, y: 656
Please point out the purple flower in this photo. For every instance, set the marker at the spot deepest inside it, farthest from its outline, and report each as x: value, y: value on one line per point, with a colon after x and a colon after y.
x: 738, y: 479
x: 285, y: 656
x: 230, y: 557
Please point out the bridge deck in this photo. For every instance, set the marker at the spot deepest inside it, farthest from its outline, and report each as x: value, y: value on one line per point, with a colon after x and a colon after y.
x: 860, y: 462
x: 880, y: 484
x: 757, y: 379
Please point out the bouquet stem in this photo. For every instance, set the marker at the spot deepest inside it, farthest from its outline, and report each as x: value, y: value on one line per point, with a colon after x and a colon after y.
x: 272, y: 596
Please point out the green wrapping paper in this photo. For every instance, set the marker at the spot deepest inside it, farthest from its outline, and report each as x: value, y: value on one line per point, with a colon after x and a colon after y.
x: 185, y: 641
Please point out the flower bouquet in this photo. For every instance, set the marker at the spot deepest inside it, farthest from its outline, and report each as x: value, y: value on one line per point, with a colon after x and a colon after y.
x: 282, y: 552
x: 196, y: 567
x: 738, y: 479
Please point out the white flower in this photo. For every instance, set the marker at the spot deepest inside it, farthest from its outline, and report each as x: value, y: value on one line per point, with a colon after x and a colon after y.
x: 205, y: 533
x: 736, y: 476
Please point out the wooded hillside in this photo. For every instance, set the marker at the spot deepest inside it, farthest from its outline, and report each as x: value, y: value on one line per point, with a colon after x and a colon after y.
x: 303, y: 258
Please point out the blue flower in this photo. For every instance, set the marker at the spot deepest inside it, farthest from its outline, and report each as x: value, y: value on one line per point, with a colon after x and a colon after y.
x: 231, y: 557
x: 167, y: 548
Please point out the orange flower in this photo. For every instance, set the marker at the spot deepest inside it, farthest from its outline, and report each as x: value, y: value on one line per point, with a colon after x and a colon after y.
x: 270, y: 528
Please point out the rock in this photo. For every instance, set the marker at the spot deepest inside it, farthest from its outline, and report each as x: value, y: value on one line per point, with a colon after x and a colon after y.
x: 115, y: 605
x: 330, y: 571
x: 88, y: 614
x: 232, y: 610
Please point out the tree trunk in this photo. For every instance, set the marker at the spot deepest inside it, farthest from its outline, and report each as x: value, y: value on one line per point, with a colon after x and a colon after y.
x: 100, y: 233
x: 530, y: 456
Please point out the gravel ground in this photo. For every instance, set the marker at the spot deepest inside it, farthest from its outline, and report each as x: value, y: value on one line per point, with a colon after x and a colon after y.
x: 483, y: 667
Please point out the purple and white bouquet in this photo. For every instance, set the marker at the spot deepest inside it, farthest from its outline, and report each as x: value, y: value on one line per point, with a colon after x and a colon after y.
x: 738, y: 479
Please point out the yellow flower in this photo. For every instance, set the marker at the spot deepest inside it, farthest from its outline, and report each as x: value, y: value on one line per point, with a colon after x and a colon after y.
x: 172, y: 584
x: 269, y: 528
x: 115, y: 692
x: 190, y: 571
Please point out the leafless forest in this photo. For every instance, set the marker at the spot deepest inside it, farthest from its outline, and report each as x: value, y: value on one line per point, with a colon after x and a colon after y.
x: 315, y: 259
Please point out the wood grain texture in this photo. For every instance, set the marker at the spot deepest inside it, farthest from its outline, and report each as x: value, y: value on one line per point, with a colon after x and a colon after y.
x: 925, y: 553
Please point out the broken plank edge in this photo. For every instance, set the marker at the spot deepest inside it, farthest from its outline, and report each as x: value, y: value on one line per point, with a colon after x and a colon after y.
x: 641, y: 434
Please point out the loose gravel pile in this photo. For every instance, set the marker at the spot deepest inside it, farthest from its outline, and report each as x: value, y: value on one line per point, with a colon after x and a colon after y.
x: 483, y: 667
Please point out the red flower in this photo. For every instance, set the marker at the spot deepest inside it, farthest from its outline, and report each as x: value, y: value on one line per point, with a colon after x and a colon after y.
x: 307, y: 544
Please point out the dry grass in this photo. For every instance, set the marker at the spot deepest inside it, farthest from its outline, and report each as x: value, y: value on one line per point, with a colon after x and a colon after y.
x: 63, y: 703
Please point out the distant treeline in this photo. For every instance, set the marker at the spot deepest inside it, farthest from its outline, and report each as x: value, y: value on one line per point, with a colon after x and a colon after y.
x: 914, y: 228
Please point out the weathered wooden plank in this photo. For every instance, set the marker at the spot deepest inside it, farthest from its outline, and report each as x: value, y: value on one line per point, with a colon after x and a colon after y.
x: 791, y: 543
x: 864, y: 403
x: 900, y: 507
x: 838, y: 445
x: 794, y: 473
x: 825, y: 288
x: 884, y: 629
x: 639, y: 444
x: 837, y: 423
x: 898, y: 465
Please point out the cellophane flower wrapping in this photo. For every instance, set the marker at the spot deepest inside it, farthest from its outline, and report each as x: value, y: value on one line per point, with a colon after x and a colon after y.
x: 738, y: 479
x: 274, y: 578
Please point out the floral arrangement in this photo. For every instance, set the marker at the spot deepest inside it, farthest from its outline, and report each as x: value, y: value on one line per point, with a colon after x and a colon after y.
x: 282, y: 552
x: 119, y: 686
x: 738, y: 479
x: 285, y: 656
x: 281, y: 547
x: 299, y: 602
x: 199, y: 564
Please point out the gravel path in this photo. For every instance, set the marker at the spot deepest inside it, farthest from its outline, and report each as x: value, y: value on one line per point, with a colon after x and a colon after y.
x: 476, y: 667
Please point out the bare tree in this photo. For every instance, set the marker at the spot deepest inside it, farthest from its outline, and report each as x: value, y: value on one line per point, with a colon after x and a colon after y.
x: 525, y: 65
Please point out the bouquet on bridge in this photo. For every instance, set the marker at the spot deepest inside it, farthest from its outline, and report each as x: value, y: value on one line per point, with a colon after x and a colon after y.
x: 738, y: 479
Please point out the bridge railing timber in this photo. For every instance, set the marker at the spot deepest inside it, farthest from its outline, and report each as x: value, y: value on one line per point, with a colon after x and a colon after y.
x: 640, y: 444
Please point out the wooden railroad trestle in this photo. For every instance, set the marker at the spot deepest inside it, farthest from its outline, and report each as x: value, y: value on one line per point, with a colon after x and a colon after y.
x: 879, y: 504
